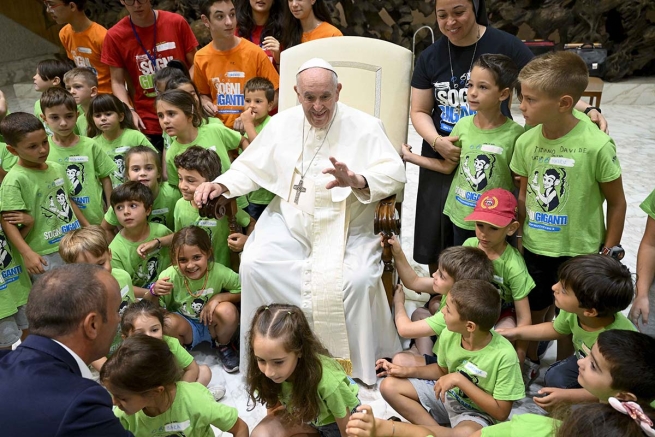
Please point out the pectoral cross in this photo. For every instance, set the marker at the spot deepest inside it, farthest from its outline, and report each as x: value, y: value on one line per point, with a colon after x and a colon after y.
x: 299, y: 189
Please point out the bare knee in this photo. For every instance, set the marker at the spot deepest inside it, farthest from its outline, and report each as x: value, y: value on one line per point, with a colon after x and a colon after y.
x: 227, y: 313
x: 204, y: 374
x: 420, y: 314
x: 405, y: 359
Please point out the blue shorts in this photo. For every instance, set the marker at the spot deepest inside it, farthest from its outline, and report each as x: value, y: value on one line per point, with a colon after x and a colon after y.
x: 199, y: 330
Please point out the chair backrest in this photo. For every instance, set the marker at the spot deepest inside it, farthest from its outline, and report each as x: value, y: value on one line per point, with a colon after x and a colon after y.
x: 375, y: 75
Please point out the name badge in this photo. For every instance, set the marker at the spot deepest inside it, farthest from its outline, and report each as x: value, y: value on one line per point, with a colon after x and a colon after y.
x: 239, y: 74
x: 86, y: 50
x: 121, y: 149
x: 207, y: 223
x: 59, y: 182
x: 562, y: 162
x: 475, y: 370
x: 166, y: 46
x: 177, y: 427
x: 491, y: 149
x: 125, y: 290
x: 159, y: 211
x: 78, y: 159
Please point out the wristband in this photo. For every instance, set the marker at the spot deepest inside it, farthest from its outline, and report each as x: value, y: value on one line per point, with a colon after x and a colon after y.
x: 434, y: 142
x: 151, y: 289
x: 591, y: 108
x: 158, y: 243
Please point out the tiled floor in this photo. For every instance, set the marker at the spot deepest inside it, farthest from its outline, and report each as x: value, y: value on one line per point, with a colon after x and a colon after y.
x: 635, y: 138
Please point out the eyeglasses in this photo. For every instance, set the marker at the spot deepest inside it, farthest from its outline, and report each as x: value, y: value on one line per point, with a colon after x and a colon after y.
x: 131, y: 2
x: 50, y: 6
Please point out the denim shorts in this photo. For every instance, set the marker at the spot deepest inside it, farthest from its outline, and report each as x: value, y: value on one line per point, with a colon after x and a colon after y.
x: 200, y: 332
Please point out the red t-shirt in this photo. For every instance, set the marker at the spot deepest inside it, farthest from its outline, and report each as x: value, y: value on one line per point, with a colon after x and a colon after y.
x: 121, y: 49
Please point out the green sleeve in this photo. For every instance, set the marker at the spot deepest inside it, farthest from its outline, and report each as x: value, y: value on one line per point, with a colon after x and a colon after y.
x: 562, y: 323
x: 167, y: 301
x: 231, y: 138
x: 231, y: 280
x: 517, y: 164
x: 110, y: 217
x: 608, y: 167
x: 509, y: 383
x: 10, y: 192
x: 648, y: 205
x: 116, y: 259
x: 342, y: 400
x: 104, y: 165
x: 243, y: 219
x: 437, y: 323
x: 442, y: 349
x: 183, y: 358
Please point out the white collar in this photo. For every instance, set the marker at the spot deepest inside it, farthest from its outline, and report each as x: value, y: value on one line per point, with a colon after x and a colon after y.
x: 84, y: 369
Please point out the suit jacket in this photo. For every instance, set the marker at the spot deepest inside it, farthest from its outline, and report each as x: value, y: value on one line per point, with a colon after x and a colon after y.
x: 42, y: 393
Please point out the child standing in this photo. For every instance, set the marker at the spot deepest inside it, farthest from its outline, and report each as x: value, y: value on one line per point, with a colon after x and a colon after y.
x: 590, y: 293
x: 180, y: 117
x: 192, y: 291
x: 486, y: 139
x: 144, y: 317
x: 148, y: 402
x: 292, y: 374
x: 38, y: 189
x: 495, y: 219
x: 142, y: 164
x: 87, y: 166
x: 132, y: 203
x: 259, y: 95
x: 111, y: 127
x: 49, y: 73
x: 560, y: 219
x: 477, y: 375
x: 89, y: 245
x: 82, y: 39
x: 82, y: 83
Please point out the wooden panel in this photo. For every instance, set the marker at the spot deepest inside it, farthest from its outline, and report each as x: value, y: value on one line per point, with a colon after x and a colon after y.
x: 31, y: 14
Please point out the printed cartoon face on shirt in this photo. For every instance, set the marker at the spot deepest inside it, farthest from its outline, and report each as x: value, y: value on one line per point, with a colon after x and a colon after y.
x: 547, y: 193
x: 148, y: 272
x: 471, y: 372
x: 75, y: 173
x: 120, y: 168
x: 57, y: 206
x: 477, y: 171
x: 452, y: 101
x: 5, y: 256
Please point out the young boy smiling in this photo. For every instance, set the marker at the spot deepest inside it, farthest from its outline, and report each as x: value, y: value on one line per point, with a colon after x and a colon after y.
x: 87, y: 166
x: 477, y: 375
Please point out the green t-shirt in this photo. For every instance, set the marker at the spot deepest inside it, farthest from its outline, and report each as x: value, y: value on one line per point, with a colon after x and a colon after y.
x: 168, y: 140
x: 116, y: 149
x: 510, y: 274
x: 81, y: 125
x: 484, y: 164
x: 191, y: 414
x: 564, y: 202
x: 337, y: 393
x: 438, y: 323
x: 494, y: 368
x: 568, y: 323
x: 43, y: 194
x: 162, y: 208
x: 127, y: 297
x: 212, y: 136
x: 218, y: 230
x: 15, y: 283
x: 181, y: 300
x: 183, y: 358
x: 648, y: 205
x: 143, y: 271
x: 522, y: 425
x: 7, y: 160
x: 38, y: 113
x: 85, y: 165
x: 260, y: 196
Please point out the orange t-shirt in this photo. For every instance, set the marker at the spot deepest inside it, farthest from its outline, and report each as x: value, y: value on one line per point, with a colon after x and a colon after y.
x: 84, y: 48
x: 223, y: 75
x: 323, y: 30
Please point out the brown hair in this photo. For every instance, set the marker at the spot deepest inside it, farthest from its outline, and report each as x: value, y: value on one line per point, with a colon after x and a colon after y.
x: 192, y: 236
x: 132, y: 190
x: 145, y: 150
x: 205, y: 161
x: 16, y: 126
x: 466, y: 262
x: 557, y: 74
x: 107, y: 103
x: 140, y: 364
x: 82, y: 72
x: 288, y: 323
x: 57, y: 96
x: 184, y: 102
x: 476, y: 301
x: 49, y: 69
x: 502, y: 69
x: 601, y: 420
x: 137, y: 309
x: 260, y: 84
x: 598, y: 282
x: 91, y: 239
x: 59, y: 300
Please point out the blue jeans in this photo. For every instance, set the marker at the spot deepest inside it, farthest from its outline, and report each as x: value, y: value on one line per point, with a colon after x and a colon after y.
x: 563, y: 374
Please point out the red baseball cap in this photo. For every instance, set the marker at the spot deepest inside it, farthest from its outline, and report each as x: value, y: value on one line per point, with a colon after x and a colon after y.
x: 496, y: 207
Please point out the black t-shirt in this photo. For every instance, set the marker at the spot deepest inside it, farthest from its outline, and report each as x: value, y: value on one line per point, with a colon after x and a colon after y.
x: 433, y: 71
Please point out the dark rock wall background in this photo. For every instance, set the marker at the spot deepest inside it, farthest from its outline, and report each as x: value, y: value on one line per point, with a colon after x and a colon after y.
x: 625, y: 27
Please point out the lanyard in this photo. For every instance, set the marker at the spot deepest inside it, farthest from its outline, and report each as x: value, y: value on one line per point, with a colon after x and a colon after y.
x: 151, y: 57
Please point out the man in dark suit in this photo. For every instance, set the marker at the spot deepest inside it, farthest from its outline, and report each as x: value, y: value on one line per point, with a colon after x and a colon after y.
x: 45, y: 388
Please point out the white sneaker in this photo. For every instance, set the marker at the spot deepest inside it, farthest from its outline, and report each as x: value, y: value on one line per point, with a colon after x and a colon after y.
x: 530, y: 372
x: 218, y: 391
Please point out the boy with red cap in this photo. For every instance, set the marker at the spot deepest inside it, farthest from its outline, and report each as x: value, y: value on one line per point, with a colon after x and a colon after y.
x: 495, y: 217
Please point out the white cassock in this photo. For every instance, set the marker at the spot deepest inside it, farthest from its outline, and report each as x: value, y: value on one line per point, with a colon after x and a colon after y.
x: 320, y: 254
